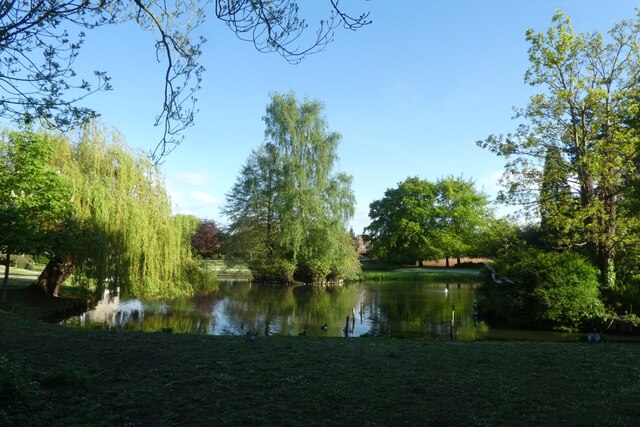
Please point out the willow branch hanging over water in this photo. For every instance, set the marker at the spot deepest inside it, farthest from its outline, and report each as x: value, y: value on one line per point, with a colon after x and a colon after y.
x: 122, y: 234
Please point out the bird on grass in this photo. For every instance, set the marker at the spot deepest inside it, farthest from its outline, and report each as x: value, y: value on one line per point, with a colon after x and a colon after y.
x: 593, y: 337
x: 325, y: 327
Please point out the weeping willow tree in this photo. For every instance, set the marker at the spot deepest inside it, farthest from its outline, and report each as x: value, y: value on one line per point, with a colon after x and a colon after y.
x: 122, y: 233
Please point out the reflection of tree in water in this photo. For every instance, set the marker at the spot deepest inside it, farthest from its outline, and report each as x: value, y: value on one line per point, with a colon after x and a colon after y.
x: 288, y: 310
x: 399, y: 309
x: 418, y: 309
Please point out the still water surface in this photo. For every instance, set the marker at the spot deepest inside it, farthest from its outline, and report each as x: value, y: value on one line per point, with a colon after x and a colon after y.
x: 398, y: 309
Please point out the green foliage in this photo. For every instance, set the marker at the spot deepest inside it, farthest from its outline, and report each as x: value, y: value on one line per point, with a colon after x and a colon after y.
x: 420, y: 220
x: 557, y: 203
x: 123, y: 233
x: 496, y: 234
x: 401, y: 222
x: 34, y: 198
x: 575, y: 155
x: 288, y: 209
x: 549, y: 290
x: 463, y: 216
x: 432, y: 275
x: 272, y: 269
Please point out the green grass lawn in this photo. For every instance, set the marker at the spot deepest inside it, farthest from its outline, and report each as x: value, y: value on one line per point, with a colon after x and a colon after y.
x: 56, y: 376
x: 19, y: 276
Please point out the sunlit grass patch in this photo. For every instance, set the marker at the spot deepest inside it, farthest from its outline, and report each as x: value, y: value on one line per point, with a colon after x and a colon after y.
x: 422, y: 275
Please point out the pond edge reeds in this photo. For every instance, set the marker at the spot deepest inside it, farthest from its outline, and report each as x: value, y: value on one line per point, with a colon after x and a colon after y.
x: 423, y: 275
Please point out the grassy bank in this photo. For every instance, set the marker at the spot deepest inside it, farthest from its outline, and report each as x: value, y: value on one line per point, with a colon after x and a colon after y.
x: 371, y: 271
x: 421, y: 274
x: 50, y: 375
x: 229, y: 269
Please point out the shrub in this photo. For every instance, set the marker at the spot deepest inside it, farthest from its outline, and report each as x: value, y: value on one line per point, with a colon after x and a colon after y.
x: 278, y: 270
x: 199, y: 277
x: 550, y: 290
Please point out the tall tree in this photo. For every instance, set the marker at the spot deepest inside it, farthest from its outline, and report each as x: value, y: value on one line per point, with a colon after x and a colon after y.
x: 253, y: 206
x: 122, y: 233
x: 34, y: 199
x: 288, y: 208
x: 420, y: 220
x: 38, y: 49
x: 589, y: 91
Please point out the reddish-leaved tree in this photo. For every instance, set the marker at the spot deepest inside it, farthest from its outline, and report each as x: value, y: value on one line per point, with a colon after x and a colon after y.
x: 206, y: 242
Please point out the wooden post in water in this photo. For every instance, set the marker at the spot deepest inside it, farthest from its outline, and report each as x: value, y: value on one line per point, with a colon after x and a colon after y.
x: 346, y: 328
x: 353, y: 319
x: 452, y: 325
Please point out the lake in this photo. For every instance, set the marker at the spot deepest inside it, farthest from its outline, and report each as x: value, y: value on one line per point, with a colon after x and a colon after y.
x: 394, y: 309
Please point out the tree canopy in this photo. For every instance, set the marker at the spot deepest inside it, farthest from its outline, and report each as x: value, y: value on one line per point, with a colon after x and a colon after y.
x: 39, y: 42
x: 35, y: 201
x: 420, y: 220
x: 575, y: 154
x: 97, y: 211
x: 288, y: 209
x: 207, y: 239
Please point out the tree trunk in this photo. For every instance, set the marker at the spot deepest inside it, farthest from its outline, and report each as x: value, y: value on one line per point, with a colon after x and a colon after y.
x: 446, y: 260
x: 606, y: 266
x: 458, y: 260
x: 605, y: 251
x: 6, y: 276
x: 54, y: 274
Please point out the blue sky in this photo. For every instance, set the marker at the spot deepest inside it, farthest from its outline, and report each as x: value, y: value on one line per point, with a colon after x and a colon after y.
x: 410, y: 93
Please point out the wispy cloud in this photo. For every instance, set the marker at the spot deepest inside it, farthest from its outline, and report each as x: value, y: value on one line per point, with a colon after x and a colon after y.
x: 204, y: 197
x: 192, y: 178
